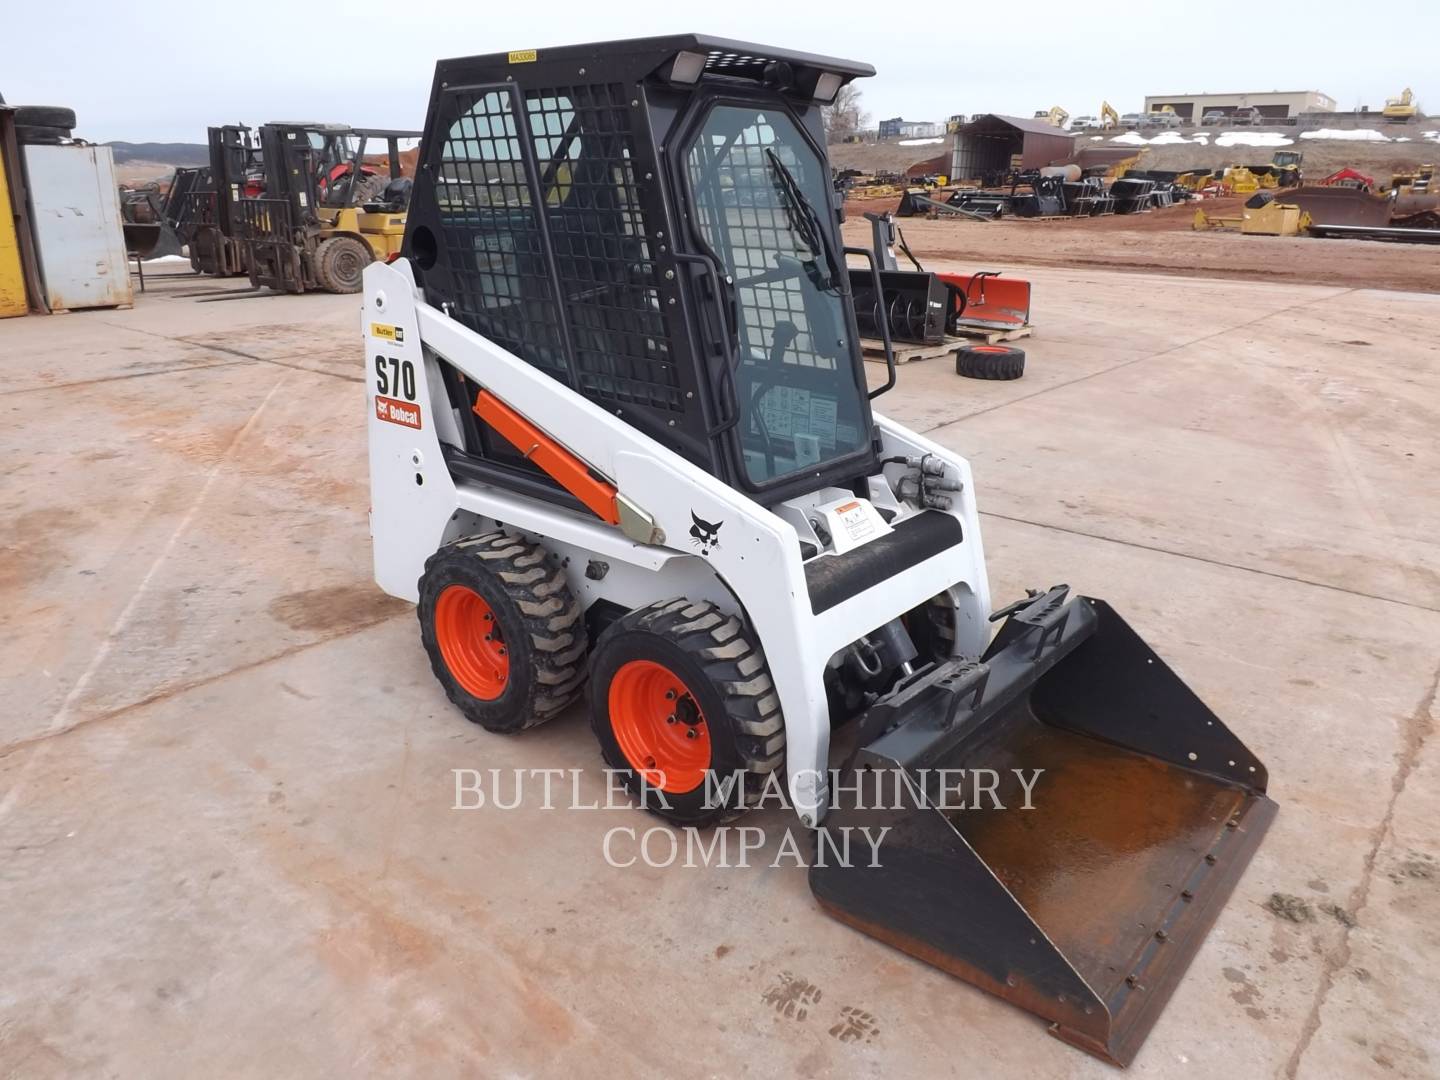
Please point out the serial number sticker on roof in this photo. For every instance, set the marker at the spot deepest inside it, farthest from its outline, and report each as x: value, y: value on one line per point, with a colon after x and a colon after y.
x: 523, y: 56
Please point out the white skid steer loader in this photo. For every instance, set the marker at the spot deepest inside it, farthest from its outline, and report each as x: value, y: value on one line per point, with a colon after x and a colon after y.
x: 621, y: 444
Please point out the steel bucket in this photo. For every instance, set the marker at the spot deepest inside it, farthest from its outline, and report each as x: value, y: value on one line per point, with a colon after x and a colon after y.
x: 1086, y: 901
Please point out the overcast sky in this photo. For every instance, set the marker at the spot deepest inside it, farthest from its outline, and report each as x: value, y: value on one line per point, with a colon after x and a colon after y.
x: 164, y: 73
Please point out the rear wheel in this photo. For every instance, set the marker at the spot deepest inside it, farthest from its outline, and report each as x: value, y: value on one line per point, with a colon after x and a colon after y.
x: 990, y: 362
x: 679, y: 693
x: 503, y: 631
x: 340, y: 264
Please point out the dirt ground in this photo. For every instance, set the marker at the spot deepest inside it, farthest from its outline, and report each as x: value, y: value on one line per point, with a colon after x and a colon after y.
x: 1160, y: 241
x: 229, y: 841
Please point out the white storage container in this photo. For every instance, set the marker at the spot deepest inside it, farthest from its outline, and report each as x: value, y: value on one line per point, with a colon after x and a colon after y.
x: 76, y: 223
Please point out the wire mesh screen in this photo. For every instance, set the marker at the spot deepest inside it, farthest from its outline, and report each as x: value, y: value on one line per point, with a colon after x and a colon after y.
x: 586, y: 159
x: 759, y: 193
x: 761, y: 239
x: 603, y: 301
x: 492, y: 233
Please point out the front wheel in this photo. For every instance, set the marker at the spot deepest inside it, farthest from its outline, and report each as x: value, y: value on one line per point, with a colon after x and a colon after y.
x: 684, y: 709
x: 340, y: 264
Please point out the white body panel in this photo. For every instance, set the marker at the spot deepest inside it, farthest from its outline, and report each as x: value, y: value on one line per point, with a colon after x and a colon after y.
x: 76, y: 220
x: 417, y: 506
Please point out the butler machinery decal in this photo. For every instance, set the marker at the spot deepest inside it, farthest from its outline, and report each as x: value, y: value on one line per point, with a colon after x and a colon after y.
x: 395, y: 392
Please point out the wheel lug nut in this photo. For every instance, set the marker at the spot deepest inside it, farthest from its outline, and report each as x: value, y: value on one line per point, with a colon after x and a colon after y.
x: 670, y: 719
x: 502, y: 650
x: 689, y: 733
x: 669, y: 695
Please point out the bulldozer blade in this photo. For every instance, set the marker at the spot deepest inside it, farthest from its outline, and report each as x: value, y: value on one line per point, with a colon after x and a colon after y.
x: 1333, y: 205
x: 1081, y: 892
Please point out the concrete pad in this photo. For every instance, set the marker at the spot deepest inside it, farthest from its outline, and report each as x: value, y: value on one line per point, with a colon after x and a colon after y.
x: 226, y: 788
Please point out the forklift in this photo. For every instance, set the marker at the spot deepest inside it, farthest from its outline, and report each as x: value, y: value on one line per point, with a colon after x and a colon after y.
x: 207, y: 227
x: 325, y: 212
x: 623, y: 454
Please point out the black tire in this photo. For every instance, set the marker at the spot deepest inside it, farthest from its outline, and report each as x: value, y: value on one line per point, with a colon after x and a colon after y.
x: 368, y: 188
x: 51, y: 116
x: 990, y: 362
x: 40, y: 135
x: 540, y: 628
x: 340, y: 264
x: 723, y: 675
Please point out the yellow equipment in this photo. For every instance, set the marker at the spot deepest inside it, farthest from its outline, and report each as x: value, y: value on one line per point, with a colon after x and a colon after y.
x: 1401, y: 108
x: 1241, y: 180
x: 12, y: 273
x: 1272, y: 219
x: 1057, y: 117
x: 1109, y: 118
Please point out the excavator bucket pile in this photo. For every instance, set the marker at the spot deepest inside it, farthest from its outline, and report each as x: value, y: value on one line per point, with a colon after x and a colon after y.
x: 1066, y: 820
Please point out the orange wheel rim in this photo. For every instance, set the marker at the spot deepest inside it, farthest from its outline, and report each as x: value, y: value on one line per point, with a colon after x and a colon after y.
x: 659, y: 726
x: 989, y: 348
x: 470, y: 642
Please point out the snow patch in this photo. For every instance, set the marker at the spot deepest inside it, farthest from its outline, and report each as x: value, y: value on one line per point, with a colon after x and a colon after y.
x: 1345, y: 135
x: 1097, y: 138
x: 1131, y: 138
x: 1434, y: 136
x: 921, y: 142
x: 1253, y: 138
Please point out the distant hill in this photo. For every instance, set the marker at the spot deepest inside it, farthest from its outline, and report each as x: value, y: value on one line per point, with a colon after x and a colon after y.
x: 168, y: 153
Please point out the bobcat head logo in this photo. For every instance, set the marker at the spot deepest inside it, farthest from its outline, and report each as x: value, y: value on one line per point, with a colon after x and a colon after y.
x: 705, y: 534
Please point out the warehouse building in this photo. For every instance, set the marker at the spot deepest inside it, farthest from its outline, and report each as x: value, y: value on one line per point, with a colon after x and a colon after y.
x: 897, y: 128
x: 1274, y: 104
x: 989, y: 145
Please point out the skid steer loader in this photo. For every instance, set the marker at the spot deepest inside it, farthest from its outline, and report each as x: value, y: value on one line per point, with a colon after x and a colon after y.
x: 621, y: 443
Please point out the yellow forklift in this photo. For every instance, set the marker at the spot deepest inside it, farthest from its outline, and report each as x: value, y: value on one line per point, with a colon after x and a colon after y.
x: 328, y: 210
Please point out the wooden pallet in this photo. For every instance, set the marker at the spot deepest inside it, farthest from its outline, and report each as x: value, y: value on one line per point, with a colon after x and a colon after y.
x: 994, y: 337
x: 874, y: 349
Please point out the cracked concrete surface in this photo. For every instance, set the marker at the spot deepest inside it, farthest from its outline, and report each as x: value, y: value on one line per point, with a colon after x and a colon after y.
x: 226, y: 835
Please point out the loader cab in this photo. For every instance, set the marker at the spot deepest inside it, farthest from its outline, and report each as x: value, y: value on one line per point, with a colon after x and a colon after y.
x: 651, y: 222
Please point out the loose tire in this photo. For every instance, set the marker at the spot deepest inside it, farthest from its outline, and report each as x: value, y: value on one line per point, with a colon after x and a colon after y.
x: 40, y: 135
x: 48, y: 116
x: 679, y: 692
x: 504, y: 633
x: 990, y: 362
x: 340, y: 264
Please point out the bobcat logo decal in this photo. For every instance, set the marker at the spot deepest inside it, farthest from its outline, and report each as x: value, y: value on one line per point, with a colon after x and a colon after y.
x: 705, y: 534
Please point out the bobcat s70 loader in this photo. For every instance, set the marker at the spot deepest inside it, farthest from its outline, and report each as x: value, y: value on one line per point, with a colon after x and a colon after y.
x: 622, y: 444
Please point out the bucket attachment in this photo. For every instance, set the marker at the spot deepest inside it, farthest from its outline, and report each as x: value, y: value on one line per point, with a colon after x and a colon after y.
x: 1083, y: 892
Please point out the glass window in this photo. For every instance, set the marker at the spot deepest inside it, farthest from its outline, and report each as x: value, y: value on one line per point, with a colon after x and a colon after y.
x: 760, y: 195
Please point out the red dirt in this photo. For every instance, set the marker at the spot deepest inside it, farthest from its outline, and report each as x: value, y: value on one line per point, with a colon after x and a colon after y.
x: 1161, y: 241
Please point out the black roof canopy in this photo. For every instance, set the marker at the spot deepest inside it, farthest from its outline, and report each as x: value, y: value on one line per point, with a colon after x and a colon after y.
x: 636, y: 58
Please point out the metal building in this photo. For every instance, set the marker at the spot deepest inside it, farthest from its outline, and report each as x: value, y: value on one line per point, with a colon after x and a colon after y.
x: 991, y: 144
x: 1275, y: 104
x: 896, y: 128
